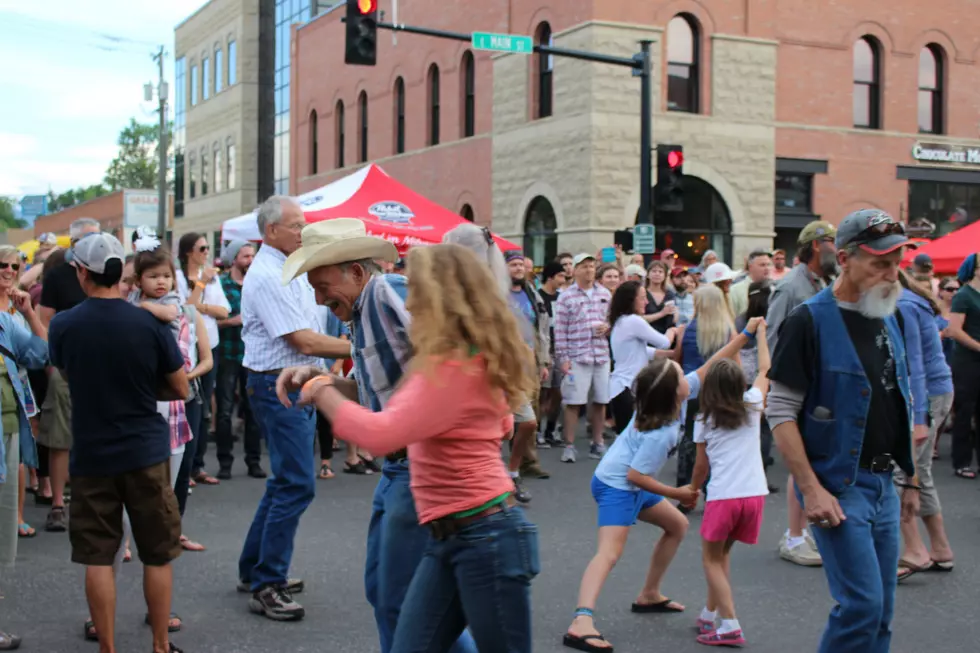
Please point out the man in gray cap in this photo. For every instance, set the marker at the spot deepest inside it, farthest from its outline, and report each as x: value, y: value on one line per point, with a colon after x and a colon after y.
x: 238, y: 254
x: 840, y: 408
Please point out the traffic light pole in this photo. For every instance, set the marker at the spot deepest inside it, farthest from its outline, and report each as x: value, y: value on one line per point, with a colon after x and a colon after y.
x: 639, y: 64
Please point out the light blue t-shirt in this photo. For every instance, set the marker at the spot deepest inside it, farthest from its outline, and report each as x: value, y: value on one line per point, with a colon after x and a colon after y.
x: 644, y: 451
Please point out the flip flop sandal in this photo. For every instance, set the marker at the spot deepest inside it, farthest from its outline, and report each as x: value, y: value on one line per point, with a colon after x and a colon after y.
x: 91, y: 635
x: 966, y: 472
x: 128, y: 556
x: 189, y: 545
x: 325, y: 472
x: 944, y: 566
x: 24, y: 530
x: 667, y: 605
x: 370, y: 463
x: 583, y: 643
x: 356, y: 468
x: 205, y: 479
x: 909, y: 570
x: 171, y: 626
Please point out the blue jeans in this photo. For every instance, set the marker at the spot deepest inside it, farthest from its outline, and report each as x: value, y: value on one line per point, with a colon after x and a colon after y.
x: 289, y: 434
x: 395, y: 546
x: 480, y: 577
x: 860, y: 558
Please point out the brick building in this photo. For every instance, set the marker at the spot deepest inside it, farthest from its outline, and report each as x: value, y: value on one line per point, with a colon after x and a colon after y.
x: 786, y: 111
x: 118, y: 213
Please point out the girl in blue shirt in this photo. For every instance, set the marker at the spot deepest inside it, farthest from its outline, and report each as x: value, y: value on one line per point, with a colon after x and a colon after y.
x: 625, y: 490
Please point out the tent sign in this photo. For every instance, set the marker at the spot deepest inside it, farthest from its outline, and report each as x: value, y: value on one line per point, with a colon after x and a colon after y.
x: 643, y: 239
x: 503, y: 42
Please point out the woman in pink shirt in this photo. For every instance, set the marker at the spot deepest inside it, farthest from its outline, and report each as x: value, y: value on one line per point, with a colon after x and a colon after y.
x: 468, y: 374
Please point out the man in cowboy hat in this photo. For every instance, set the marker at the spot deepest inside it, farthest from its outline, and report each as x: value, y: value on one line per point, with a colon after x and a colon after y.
x: 280, y: 329
x: 342, y: 264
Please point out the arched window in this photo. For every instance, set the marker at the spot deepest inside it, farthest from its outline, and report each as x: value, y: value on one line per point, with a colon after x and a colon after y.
x: 705, y: 223
x: 362, y: 127
x: 683, y: 59
x: 204, y: 171
x: 466, y: 212
x: 232, y: 165
x: 314, y: 143
x: 544, y: 67
x: 468, y: 85
x: 219, y: 169
x: 399, y: 115
x: 931, y: 89
x: 192, y: 176
x: 540, y: 225
x: 432, y: 84
x: 339, y: 137
x: 867, y: 83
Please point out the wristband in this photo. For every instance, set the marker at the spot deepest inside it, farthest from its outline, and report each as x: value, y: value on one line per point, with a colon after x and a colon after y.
x: 750, y: 336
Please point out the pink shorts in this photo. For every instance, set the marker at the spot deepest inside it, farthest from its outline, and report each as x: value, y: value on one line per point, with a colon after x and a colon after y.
x: 735, y: 519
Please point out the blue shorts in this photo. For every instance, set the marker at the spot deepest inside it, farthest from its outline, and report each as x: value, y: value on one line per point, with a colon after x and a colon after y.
x: 621, y: 507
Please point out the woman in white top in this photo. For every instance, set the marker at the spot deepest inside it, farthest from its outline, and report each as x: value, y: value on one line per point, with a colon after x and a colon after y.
x: 633, y: 342
x: 198, y: 285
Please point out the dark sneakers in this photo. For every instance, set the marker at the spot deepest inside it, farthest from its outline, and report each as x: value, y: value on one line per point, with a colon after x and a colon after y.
x: 56, y: 522
x: 293, y: 586
x: 276, y: 603
x: 520, y: 492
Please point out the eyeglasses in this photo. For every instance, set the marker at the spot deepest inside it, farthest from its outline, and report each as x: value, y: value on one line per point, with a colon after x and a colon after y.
x: 296, y: 226
x: 13, y: 266
x: 950, y: 288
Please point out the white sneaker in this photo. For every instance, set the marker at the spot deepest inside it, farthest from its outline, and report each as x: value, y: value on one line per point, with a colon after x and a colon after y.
x: 569, y: 455
x: 596, y: 451
x: 542, y: 443
x: 803, y: 554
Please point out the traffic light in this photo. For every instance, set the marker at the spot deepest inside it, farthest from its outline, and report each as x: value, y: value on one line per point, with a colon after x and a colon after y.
x: 669, y: 192
x: 361, y: 46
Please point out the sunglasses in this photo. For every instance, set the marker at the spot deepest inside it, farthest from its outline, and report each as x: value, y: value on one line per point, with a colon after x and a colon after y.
x: 204, y: 248
x: 950, y: 288
x: 879, y: 228
x: 13, y: 266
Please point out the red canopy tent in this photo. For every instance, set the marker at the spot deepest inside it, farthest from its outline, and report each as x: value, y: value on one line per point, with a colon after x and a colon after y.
x: 948, y: 252
x: 388, y: 209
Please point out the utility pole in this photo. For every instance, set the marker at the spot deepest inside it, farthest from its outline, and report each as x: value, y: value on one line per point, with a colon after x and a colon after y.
x: 646, y: 135
x: 162, y: 92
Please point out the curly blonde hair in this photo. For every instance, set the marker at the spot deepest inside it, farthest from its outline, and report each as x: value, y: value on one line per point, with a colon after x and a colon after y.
x: 456, y: 313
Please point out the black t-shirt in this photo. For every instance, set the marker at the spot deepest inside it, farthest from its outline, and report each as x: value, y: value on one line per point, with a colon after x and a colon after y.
x: 549, y: 305
x: 61, y: 289
x: 116, y: 356
x: 797, y: 355
x: 667, y: 321
x: 967, y: 302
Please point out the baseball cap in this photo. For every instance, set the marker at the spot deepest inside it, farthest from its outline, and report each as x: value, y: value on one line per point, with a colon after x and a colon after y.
x: 815, y: 231
x: 872, y: 230
x: 638, y: 270
x: 94, y: 250
x: 676, y: 272
x: 668, y: 252
x: 718, y: 272
x: 551, y: 269
x: 923, y: 261
x: 47, y: 238
x: 513, y: 255
x: 581, y: 258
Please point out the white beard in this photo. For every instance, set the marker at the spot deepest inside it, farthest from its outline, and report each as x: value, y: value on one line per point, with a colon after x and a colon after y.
x: 879, y: 301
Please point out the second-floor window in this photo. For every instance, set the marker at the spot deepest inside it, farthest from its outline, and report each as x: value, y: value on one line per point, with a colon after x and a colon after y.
x: 194, y: 86
x: 867, y: 83
x: 219, y: 70
x: 469, y: 94
x: 206, y: 78
x: 683, y: 74
x: 931, y: 59
x: 433, y: 88
x: 399, y: 116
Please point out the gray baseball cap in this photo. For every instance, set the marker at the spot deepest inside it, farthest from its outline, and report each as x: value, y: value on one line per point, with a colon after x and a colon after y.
x: 872, y: 230
x: 94, y: 250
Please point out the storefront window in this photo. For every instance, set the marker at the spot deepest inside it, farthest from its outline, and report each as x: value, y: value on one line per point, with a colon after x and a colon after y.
x: 948, y: 206
x: 794, y: 193
x: 703, y: 224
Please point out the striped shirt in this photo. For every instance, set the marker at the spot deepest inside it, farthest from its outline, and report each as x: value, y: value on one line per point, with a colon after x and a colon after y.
x: 379, y: 332
x: 271, y: 311
x: 576, y: 316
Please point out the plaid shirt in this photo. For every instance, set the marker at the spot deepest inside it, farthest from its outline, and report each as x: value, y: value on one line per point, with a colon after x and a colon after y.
x: 379, y: 332
x: 576, y: 315
x: 230, y: 345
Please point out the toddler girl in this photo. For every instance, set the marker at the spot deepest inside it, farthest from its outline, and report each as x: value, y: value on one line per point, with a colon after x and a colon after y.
x: 727, y: 438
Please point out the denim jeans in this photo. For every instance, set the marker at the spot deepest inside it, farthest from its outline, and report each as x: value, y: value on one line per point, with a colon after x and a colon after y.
x: 207, y: 391
x: 289, y: 491
x: 860, y: 558
x: 479, y: 577
x: 182, y: 484
x: 395, y: 546
x: 231, y: 379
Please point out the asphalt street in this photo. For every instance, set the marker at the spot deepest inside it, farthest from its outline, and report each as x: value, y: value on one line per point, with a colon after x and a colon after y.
x: 781, y: 607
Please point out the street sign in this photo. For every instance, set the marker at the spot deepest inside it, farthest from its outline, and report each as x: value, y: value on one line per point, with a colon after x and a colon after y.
x: 644, y: 241
x: 503, y: 42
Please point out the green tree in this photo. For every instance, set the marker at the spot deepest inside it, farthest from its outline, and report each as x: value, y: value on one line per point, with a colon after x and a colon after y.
x: 136, y: 164
x: 8, y: 219
x: 73, y: 196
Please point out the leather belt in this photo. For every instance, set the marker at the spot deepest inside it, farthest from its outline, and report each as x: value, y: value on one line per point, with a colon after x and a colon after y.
x: 268, y: 372
x: 446, y: 527
x: 880, y: 464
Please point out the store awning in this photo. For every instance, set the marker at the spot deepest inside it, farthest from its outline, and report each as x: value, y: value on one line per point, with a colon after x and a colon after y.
x: 388, y: 209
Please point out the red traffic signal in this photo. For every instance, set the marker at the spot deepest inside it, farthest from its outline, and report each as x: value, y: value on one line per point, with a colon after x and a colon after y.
x: 675, y: 159
x: 367, y: 6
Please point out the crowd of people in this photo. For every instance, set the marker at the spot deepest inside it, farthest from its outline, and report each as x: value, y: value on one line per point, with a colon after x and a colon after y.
x: 444, y: 371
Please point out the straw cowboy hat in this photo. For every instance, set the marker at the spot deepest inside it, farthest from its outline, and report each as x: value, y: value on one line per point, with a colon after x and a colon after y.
x: 331, y: 242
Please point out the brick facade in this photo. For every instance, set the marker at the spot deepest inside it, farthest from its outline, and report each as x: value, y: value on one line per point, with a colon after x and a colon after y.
x: 775, y: 81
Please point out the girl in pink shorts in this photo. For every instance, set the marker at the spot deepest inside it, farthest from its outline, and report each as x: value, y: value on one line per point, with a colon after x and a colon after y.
x: 727, y: 437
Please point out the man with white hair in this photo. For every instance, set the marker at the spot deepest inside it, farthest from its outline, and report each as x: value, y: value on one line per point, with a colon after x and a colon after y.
x: 840, y: 408
x: 280, y: 329
x: 61, y: 291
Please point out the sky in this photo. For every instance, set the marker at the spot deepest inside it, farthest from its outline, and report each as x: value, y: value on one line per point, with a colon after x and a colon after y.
x: 71, y: 76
